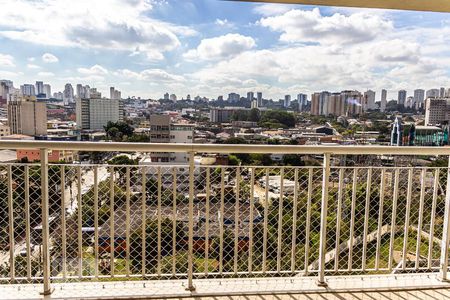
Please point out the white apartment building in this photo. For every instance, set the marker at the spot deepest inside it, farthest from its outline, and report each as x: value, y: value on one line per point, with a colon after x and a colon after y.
x: 419, y: 96
x: 163, y: 131
x: 68, y: 94
x: 436, y: 111
x: 47, y: 90
x: 115, y: 94
x: 94, y: 113
x: 181, y: 134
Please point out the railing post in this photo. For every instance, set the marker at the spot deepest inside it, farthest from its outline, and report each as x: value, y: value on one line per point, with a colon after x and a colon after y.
x: 190, y: 286
x: 323, y: 219
x: 45, y: 223
x: 446, y: 231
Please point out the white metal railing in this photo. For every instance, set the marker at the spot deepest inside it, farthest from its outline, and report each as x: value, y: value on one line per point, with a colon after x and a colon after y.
x: 64, y: 222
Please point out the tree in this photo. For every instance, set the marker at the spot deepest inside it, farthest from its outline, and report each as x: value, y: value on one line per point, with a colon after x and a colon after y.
x: 277, y: 118
x: 104, y: 206
x: 118, y: 130
x: 151, y: 242
x: 233, y: 160
x: 235, y: 140
x: 139, y: 138
x: 255, y: 115
x: 261, y: 159
x: 123, y: 161
x: 293, y: 160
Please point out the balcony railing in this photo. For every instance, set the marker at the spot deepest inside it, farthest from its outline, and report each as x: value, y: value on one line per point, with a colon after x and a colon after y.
x: 100, y: 222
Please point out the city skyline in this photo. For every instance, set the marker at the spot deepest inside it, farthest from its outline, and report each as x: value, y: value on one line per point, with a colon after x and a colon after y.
x: 211, y: 48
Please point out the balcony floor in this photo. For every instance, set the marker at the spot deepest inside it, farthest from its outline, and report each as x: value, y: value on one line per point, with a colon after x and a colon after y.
x: 405, y: 286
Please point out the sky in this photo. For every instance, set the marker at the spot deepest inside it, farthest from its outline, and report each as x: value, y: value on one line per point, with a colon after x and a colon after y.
x: 211, y: 47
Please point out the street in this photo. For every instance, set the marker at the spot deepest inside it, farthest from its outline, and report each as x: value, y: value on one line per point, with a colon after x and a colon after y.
x: 70, y: 195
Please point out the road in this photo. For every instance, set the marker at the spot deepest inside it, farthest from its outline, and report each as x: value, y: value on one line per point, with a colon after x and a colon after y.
x: 260, y: 192
x: 87, y: 180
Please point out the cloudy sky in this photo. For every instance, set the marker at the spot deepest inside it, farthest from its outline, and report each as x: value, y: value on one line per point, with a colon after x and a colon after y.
x: 212, y: 47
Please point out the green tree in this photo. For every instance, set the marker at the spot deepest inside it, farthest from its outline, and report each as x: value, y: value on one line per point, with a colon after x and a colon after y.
x: 277, y: 118
x: 254, y: 115
x: 151, y: 243
x: 293, y: 160
x: 117, y: 130
x: 123, y: 161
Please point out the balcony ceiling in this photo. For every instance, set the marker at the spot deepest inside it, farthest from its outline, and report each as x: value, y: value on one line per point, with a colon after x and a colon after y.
x: 420, y: 5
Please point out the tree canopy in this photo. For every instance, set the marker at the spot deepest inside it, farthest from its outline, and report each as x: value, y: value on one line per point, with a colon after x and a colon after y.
x: 277, y: 119
x: 117, y: 131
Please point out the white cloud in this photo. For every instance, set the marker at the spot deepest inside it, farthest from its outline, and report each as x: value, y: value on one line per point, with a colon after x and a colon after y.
x: 221, y: 47
x: 311, y: 26
x: 94, y: 70
x: 270, y: 9
x: 49, y: 58
x: 6, y: 60
x: 224, y: 23
x: 153, y: 75
x: 397, y: 51
x: 383, y: 63
x: 32, y: 66
x: 115, y: 25
x: 8, y: 74
x: 31, y: 59
x: 46, y: 74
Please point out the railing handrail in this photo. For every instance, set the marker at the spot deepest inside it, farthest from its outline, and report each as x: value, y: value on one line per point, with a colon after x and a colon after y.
x: 224, y: 148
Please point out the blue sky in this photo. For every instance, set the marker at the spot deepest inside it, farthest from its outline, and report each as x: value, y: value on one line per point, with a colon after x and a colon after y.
x: 212, y: 47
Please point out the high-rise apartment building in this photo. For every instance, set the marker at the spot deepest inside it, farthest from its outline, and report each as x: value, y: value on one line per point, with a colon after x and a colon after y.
x: 419, y: 97
x: 39, y: 88
x: 410, y: 102
x: 250, y: 96
x: 6, y: 87
x: 28, y: 90
x: 114, y: 94
x: 433, y: 93
x: 369, y: 100
x: 401, y: 97
x: 447, y: 93
x: 319, y: 103
x: 112, y: 91
x: 352, y: 102
x: 437, y: 111
x: 47, y: 91
x: 233, y: 97
x: 287, y: 100
x: 68, y: 95
x: 383, y: 100
x: 94, y: 113
x: 259, y: 99
x: 347, y: 103
x: 26, y: 115
x: 58, y: 95
x: 302, y: 100
x: 442, y: 92
x: 80, y: 91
